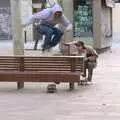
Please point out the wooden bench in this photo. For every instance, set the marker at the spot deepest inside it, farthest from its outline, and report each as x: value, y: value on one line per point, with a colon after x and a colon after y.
x: 22, y: 69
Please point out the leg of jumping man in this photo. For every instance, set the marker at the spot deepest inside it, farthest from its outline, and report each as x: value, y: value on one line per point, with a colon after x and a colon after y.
x: 57, y: 36
x: 48, y: 32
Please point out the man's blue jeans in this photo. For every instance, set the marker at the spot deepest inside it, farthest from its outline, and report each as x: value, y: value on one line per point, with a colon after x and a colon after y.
x: 49, y: 32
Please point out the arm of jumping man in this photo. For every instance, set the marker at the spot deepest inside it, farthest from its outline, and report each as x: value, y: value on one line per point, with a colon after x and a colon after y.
x: 44, y: 14
x: 66, y: 23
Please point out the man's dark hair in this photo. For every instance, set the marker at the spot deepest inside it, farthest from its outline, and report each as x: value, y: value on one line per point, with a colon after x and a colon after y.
x: 80, y: 43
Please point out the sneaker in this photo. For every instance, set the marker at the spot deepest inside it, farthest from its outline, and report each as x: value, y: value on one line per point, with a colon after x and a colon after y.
x: 43, y: 49
x: 46, y: 48
x: 82, y: 78
x: 89, y: 83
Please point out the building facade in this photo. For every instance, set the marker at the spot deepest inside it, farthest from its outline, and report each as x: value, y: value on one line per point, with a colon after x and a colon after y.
x: 5, y: 20
x: 92, y: 20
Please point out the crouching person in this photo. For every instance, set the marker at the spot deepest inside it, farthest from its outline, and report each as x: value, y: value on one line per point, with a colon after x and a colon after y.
x: 90, y: 58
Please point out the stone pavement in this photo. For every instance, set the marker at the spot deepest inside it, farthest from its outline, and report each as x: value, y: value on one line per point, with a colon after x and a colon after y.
x: 100, y: 101
x: 6, y: 48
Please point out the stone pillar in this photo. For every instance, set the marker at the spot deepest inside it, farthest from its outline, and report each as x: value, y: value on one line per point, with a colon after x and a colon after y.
x: 18, y: 42
x: 69, y: 14
x: 26, y: 13
x: 96, y: 23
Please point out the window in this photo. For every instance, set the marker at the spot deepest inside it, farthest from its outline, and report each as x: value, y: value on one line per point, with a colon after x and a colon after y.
x: 83, y: 22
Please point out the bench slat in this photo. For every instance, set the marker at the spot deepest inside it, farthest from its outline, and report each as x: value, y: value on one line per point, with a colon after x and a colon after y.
x: 39, y: 77
x: 40, y: 63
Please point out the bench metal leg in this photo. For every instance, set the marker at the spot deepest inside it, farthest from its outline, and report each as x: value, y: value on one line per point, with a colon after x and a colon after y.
x: 20, y: 85
x: 71, y: 86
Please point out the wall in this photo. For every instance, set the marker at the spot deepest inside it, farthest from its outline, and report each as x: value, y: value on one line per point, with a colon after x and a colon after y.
x: 102, y: 25
x: 5, y: 20
x: 116, y: 22
x: 5, y: 23
x: 106, y: 26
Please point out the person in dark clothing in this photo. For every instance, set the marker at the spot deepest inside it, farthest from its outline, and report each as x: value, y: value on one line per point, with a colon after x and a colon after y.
x: 90, y: 58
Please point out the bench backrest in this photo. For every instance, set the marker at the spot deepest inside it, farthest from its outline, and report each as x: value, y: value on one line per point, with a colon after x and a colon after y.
x: 42, y: 63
